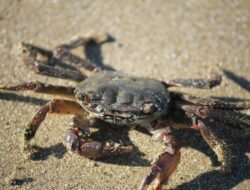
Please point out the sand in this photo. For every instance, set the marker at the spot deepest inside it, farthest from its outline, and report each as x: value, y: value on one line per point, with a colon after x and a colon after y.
x: 160, y: 39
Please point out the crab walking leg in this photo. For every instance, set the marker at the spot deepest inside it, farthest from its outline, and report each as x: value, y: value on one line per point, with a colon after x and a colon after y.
x: 218, y: 146
x: 213, y: 102
x: 40, y: 87
x: 222, y: 150
x: 76, y: 139
x: 165, y: 164
x: 195, y: 83
x: 54, y: 72
x: 62, y: 52
x: 64, y: 55
x: 41, y: 62
x: 234, y: 119
x: 58, y: 106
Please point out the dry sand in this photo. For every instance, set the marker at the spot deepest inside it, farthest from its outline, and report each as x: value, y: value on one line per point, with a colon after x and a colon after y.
x: 160, y: 39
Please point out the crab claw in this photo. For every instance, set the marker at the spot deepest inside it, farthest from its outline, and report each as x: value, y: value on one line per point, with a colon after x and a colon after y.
x: 161, y: 169
x: 95, y: 149
x: 91, y: 149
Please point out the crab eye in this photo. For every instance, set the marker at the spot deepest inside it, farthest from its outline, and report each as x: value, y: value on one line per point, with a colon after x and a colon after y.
x: 89, y: 97
x: 81, y: 97
x: 149, y: 108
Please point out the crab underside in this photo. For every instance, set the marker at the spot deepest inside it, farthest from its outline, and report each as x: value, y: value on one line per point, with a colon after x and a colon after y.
x: 126, y: 101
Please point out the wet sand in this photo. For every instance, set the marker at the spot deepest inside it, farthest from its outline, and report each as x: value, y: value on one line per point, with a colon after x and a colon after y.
x: 161, y: 39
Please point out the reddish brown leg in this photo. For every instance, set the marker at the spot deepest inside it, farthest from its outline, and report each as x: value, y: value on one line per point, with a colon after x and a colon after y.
x: 165, y: 164
x: 77, y: 140
x: 62, y: 52
x: 197, y: 113
x: 41, y: 88
x: 59, y: 106
x: 41, y: 61
x: 232, y: 118
x: 217, y: 145
x: 161, y: 169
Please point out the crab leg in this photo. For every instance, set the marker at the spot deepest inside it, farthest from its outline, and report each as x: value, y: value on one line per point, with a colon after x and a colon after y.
x: 65, y: 56
x: 58, y: 106
x: 76, y: 139
x: 213, y: 102
x: 196, y: 83
x: 217, y: 145
x: 234, y: 119
x: 223, y: 152
x: 62, y: 52
x: 45, y: 62
x: 40, y: 87
x: 41, y: 62
x: 165, y: 164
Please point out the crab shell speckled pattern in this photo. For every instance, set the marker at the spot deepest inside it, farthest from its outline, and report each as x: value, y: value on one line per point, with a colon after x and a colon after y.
x: 118, y: 98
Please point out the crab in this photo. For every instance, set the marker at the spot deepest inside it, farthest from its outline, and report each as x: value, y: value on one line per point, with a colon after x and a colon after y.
x: 123, y: 100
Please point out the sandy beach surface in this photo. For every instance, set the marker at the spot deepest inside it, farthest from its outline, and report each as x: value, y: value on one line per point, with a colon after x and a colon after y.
x: 159, y: 39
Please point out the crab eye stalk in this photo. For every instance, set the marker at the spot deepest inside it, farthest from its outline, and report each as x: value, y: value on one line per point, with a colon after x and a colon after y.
x: 149, y: 108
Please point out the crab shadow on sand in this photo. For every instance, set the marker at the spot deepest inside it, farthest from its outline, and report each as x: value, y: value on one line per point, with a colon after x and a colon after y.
x: 189, y: 138
x: 7, y: 96
x: 42, y: 153
x: 214, y: 179
x: 241, y: 81
x: 93, y: 52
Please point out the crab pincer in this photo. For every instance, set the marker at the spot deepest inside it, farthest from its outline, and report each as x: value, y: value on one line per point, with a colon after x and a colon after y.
x: 76, y: 139
x: 164, y: 165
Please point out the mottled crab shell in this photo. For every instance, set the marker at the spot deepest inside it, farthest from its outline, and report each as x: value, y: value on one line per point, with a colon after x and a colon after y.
x: 118, y: 98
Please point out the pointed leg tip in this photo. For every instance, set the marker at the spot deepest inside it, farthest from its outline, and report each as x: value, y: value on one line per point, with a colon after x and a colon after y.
x: 27, y: 150
x: 29, y: 133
